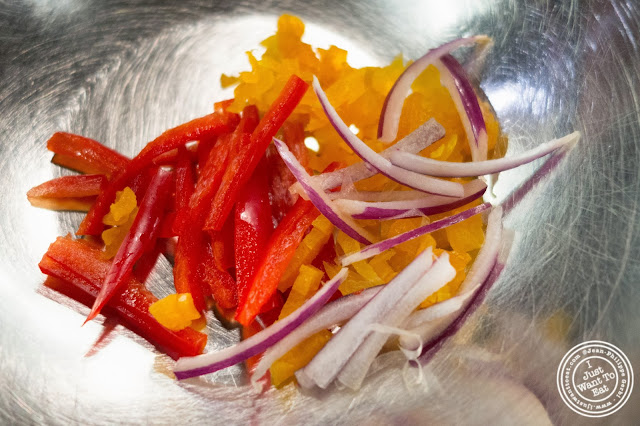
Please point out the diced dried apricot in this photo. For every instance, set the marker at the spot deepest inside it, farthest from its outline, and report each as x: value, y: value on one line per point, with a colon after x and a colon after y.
x: 175, y: 311
x: 303, y: 288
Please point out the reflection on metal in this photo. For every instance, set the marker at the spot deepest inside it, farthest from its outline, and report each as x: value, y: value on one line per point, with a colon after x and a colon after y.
x: 122, y: 73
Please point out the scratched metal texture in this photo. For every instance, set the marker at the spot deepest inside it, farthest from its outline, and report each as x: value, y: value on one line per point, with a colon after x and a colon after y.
x: 122, y: 72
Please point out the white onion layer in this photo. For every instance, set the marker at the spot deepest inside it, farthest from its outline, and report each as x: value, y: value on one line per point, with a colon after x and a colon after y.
x: 326, y: 365
x: 320, y: 199
x: 381, y: 164
x: 432, y: 167
x: 187, y: 367
x: 429, y: 322
x: 332, y: 314
x: 354, y: 372
x: 392, y: 107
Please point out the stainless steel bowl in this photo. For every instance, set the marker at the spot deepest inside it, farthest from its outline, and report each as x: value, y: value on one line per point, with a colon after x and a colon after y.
x: 122, y: 72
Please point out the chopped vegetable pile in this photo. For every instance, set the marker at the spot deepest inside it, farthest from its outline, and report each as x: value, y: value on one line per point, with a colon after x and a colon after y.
x: 321, y: 209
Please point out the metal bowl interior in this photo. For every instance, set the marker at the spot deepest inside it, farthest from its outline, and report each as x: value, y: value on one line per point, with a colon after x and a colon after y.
x: 122, y: 72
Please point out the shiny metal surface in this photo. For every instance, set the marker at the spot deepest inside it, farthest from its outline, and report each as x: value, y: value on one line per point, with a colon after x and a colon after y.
x: 122, y: 72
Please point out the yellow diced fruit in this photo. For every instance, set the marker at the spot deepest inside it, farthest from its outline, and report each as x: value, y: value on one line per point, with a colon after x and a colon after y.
x: 442, y: 149
x: 354, y: 283
x: 298, y: 357
x: 493, y: 128
x: 303, y: 288
x: 367, y: 272
x: 121, y: 208
x: 460, y: 262
x: 380, y: 264
x: 331, y: 269
x: 175, y: 311
x: 322, y: 224
x: 228, y: 80
x: 308, y: 249
x: 291, y: 26
x: 114, y: 236
x: 382, y: 79
x: 467, y: 235
x: 199, y: 324
x: 412, y: 247
x: 345, y: 244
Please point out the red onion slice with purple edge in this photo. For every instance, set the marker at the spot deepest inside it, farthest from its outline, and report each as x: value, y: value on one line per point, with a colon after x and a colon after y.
x: 354, y: 372
x: 432, y: 167
x: 379, y: 196
x: 320, y: 199
x: 327, y: 363
x: 381, y: 164
x: 187, y: 367
x: 454, y: 78
x: 392, y: 107
x: 332, y: 314
x: 426, y: 134
x: 425, y: 205
x: 430, y: 322
x: 381, y: 246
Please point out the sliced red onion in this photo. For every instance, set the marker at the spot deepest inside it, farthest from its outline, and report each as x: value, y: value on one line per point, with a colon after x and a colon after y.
x: 332, y: 314
x: 437, y: 276
x: 454, y: 78
x: 327, y: 363
x: 381, y: 164
x: 320, y: 199
x: 425, y: 205
x: 392, y: 107
x: 378, y: 196
x: 187, y: 367
x: 453, y: 325
x: 430, y: 322
x: 381, y: 246
x: 515, y: 197
x: 414, y: 142
x: 432, y: 167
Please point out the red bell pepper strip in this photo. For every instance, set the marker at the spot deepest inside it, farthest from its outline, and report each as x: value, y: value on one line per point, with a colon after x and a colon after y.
x: 166, y: 227
x: 252, y: 226
x: 140, y: 238
x: 189, y: 272
x: 185, y: 182
x: 222, y: 246
x: 204, y: 149
x: 271, y: 310
x: 280, y: 249
x: 250, y: 120
x: 147, y: 262
x: 85, y: 155
x: 67, y: 192
x: 171, y: 157
x: 221, y: 284
x: 209, y: 179
x: 83, y: 269
x: 280, y: 177
x: 293, y: 136
x: 247, y: 158
x: 187, y: 267
x: 185, y: 179
x: 222, y: 105
x: 209, y: 125
x: 140, y: 183
x: 213, y: 170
